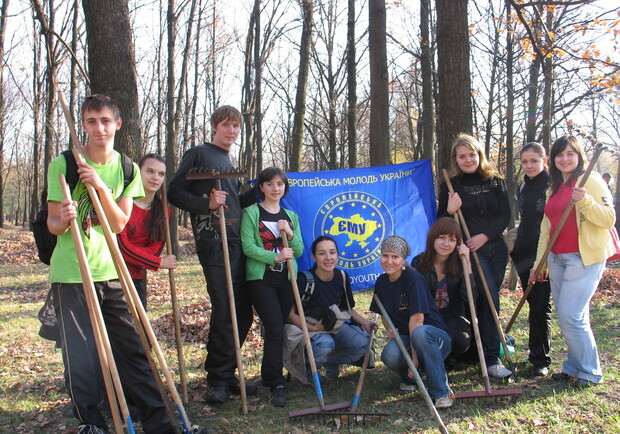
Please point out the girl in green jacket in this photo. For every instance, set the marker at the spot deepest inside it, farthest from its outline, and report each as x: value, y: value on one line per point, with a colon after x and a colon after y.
x: 266, y: 271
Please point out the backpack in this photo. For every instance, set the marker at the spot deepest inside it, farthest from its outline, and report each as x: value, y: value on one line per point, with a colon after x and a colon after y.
x: 44, y: 239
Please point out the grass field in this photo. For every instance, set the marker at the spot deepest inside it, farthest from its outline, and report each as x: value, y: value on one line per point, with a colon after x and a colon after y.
x: 33, y: 399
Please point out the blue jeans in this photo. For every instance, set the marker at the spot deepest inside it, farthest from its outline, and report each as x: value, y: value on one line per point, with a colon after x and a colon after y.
x: 493, y: 256
x: 345, y: 347
x: 432, y: 346
x: 572, y: 287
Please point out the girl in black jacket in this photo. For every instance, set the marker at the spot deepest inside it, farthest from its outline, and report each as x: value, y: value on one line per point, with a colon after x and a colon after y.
x: 442, y: 269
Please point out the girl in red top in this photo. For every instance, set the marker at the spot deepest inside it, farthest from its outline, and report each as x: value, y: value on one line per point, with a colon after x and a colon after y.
x: 142, y: 240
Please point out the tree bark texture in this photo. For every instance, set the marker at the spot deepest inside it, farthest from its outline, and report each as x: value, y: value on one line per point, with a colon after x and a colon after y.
x: 112, y: 65
x: 351, y: 86
x: 379, y: 97
x: 428, y: 110
x: 3, y: 19
x: 302, y: 84
x: 454, y: 105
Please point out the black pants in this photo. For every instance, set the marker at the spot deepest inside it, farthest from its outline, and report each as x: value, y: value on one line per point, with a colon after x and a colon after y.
x: 221, y: 362
x: 272, y: 298
x: 140, y: 285
x: 539, y: 301
x: 82, y: 371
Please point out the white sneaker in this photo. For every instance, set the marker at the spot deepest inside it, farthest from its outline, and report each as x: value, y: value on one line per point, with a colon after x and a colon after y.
x: 499, y: 371
x: 406, y: 387
x: 445, y: 402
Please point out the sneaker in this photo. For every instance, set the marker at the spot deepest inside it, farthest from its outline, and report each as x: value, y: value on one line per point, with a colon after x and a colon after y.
x: 195, y: 429
x: 278, y: 395
x: 250, y: 389
x: 217, y: 395
x: 560, y: 376
x: 87, y: 428
x: 408, y: 387
x: 540, y: 371
x: 499, y: 371
x: 444, y: 402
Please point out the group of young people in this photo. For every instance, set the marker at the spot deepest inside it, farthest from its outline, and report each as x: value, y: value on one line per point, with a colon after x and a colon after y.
x: 426, y: 300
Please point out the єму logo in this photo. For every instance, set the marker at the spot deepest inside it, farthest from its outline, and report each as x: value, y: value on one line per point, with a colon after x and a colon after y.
x: 358, y: 221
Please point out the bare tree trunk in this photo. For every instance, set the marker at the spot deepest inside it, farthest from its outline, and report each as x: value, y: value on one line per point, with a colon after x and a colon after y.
x: 258, y: 72
x: 160, y: 91
x: 351, y: 86
x: 171, y: 155
x: 302, y: 82
x: 248, y: 103
x: 548, y: 90
x: 36, y: 113
x: 196, y: 75
x: 109, y: 36
x: 379, y: 97
x: 427, y: 121
x: 73, y: 73
x: 3, y: 20
x: 490, y: 110
x: 510, y: 171
x: 532, y: 101
x: 454, y: 106
x: 50, y: 77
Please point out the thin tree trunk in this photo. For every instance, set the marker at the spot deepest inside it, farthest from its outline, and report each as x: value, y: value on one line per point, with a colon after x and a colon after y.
x: 427, y: 121
x: 171, y: 155
x: 3, y: 20
x: 302, y: 82
x: 36, y: 114
x: 379, y: 96
x: 73, y: 73
x: 248, y: 103
x: 490, y: 110
x: 258, y: 72
x: 510, y: 175
x: 351, y: 86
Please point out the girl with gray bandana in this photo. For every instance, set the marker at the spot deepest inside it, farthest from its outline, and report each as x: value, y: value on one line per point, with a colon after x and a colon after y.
x: 419, y: 324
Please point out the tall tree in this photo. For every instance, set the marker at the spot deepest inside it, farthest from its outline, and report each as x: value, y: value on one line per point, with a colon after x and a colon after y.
x: 351, y: 86
x: 454, y: 106
x: 379, y: 96
x: 302, y: 83
x: 109, y: 36
x: 427, y: 120
x: 3, y: 20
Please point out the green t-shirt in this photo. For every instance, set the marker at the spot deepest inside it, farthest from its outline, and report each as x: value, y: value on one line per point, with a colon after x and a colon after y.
x: 64, y: 265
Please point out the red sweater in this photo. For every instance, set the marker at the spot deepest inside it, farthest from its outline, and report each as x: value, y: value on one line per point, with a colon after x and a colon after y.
x: 139, y: 252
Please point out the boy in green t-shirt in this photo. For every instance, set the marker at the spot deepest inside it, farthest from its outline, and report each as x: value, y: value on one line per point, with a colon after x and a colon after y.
x: 103, y: 170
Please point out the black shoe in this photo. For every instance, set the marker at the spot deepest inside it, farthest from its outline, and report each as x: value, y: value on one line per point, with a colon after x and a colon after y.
x: 278, y: 395
x: 540, y: 371
x: 560, y: 376
x: 217, y: 395
x: 582, y: 383
x: 87, y: 428
x: 250, y: 389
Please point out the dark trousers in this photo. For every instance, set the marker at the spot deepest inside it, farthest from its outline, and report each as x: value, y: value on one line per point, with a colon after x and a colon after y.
x: 83, y: 378
x: 272, y: 298
x: 140, y: 285
x: 539, y: 301
x: 493, y: 256
x: 221, y: 361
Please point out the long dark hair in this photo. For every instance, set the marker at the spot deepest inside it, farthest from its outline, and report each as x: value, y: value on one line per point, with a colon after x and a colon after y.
x: 559, y: 146
x: 156, y: 219
x: 443, y: 226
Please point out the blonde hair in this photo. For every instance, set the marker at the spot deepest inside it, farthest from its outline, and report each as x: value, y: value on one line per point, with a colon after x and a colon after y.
x: 485, y: 168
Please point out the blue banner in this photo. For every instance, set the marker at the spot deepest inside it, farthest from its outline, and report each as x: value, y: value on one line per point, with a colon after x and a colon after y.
x: 361, y: 207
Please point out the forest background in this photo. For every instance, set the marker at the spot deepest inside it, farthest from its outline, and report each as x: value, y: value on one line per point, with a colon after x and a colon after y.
x: 321, y: 84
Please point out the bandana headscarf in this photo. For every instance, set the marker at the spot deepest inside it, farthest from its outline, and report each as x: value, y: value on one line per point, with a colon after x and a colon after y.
x: 396, y: 245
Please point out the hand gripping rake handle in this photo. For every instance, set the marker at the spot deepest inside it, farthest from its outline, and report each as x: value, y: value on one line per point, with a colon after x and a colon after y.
x: 416, y: 375
x: 173, y: 299
x: 554, y: 237
x: 304, y: 326
x: 485, y: 285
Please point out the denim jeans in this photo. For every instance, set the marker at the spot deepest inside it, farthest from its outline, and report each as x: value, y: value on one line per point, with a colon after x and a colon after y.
x: 432, y: 346
x: 572, y: 287
x: 493, y: 256
x: 345, y: 347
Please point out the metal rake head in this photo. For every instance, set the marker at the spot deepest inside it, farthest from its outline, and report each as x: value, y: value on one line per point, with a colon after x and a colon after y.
x: 338, y: 419
x: 215, y: 173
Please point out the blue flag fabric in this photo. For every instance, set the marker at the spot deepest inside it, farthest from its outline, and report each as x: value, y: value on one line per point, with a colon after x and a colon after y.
x: 359, y: 208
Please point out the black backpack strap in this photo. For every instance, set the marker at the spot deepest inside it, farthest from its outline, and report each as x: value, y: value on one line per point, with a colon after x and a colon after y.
x: 71, y: 176
x: 127, y: 170
x: 308, y: 290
